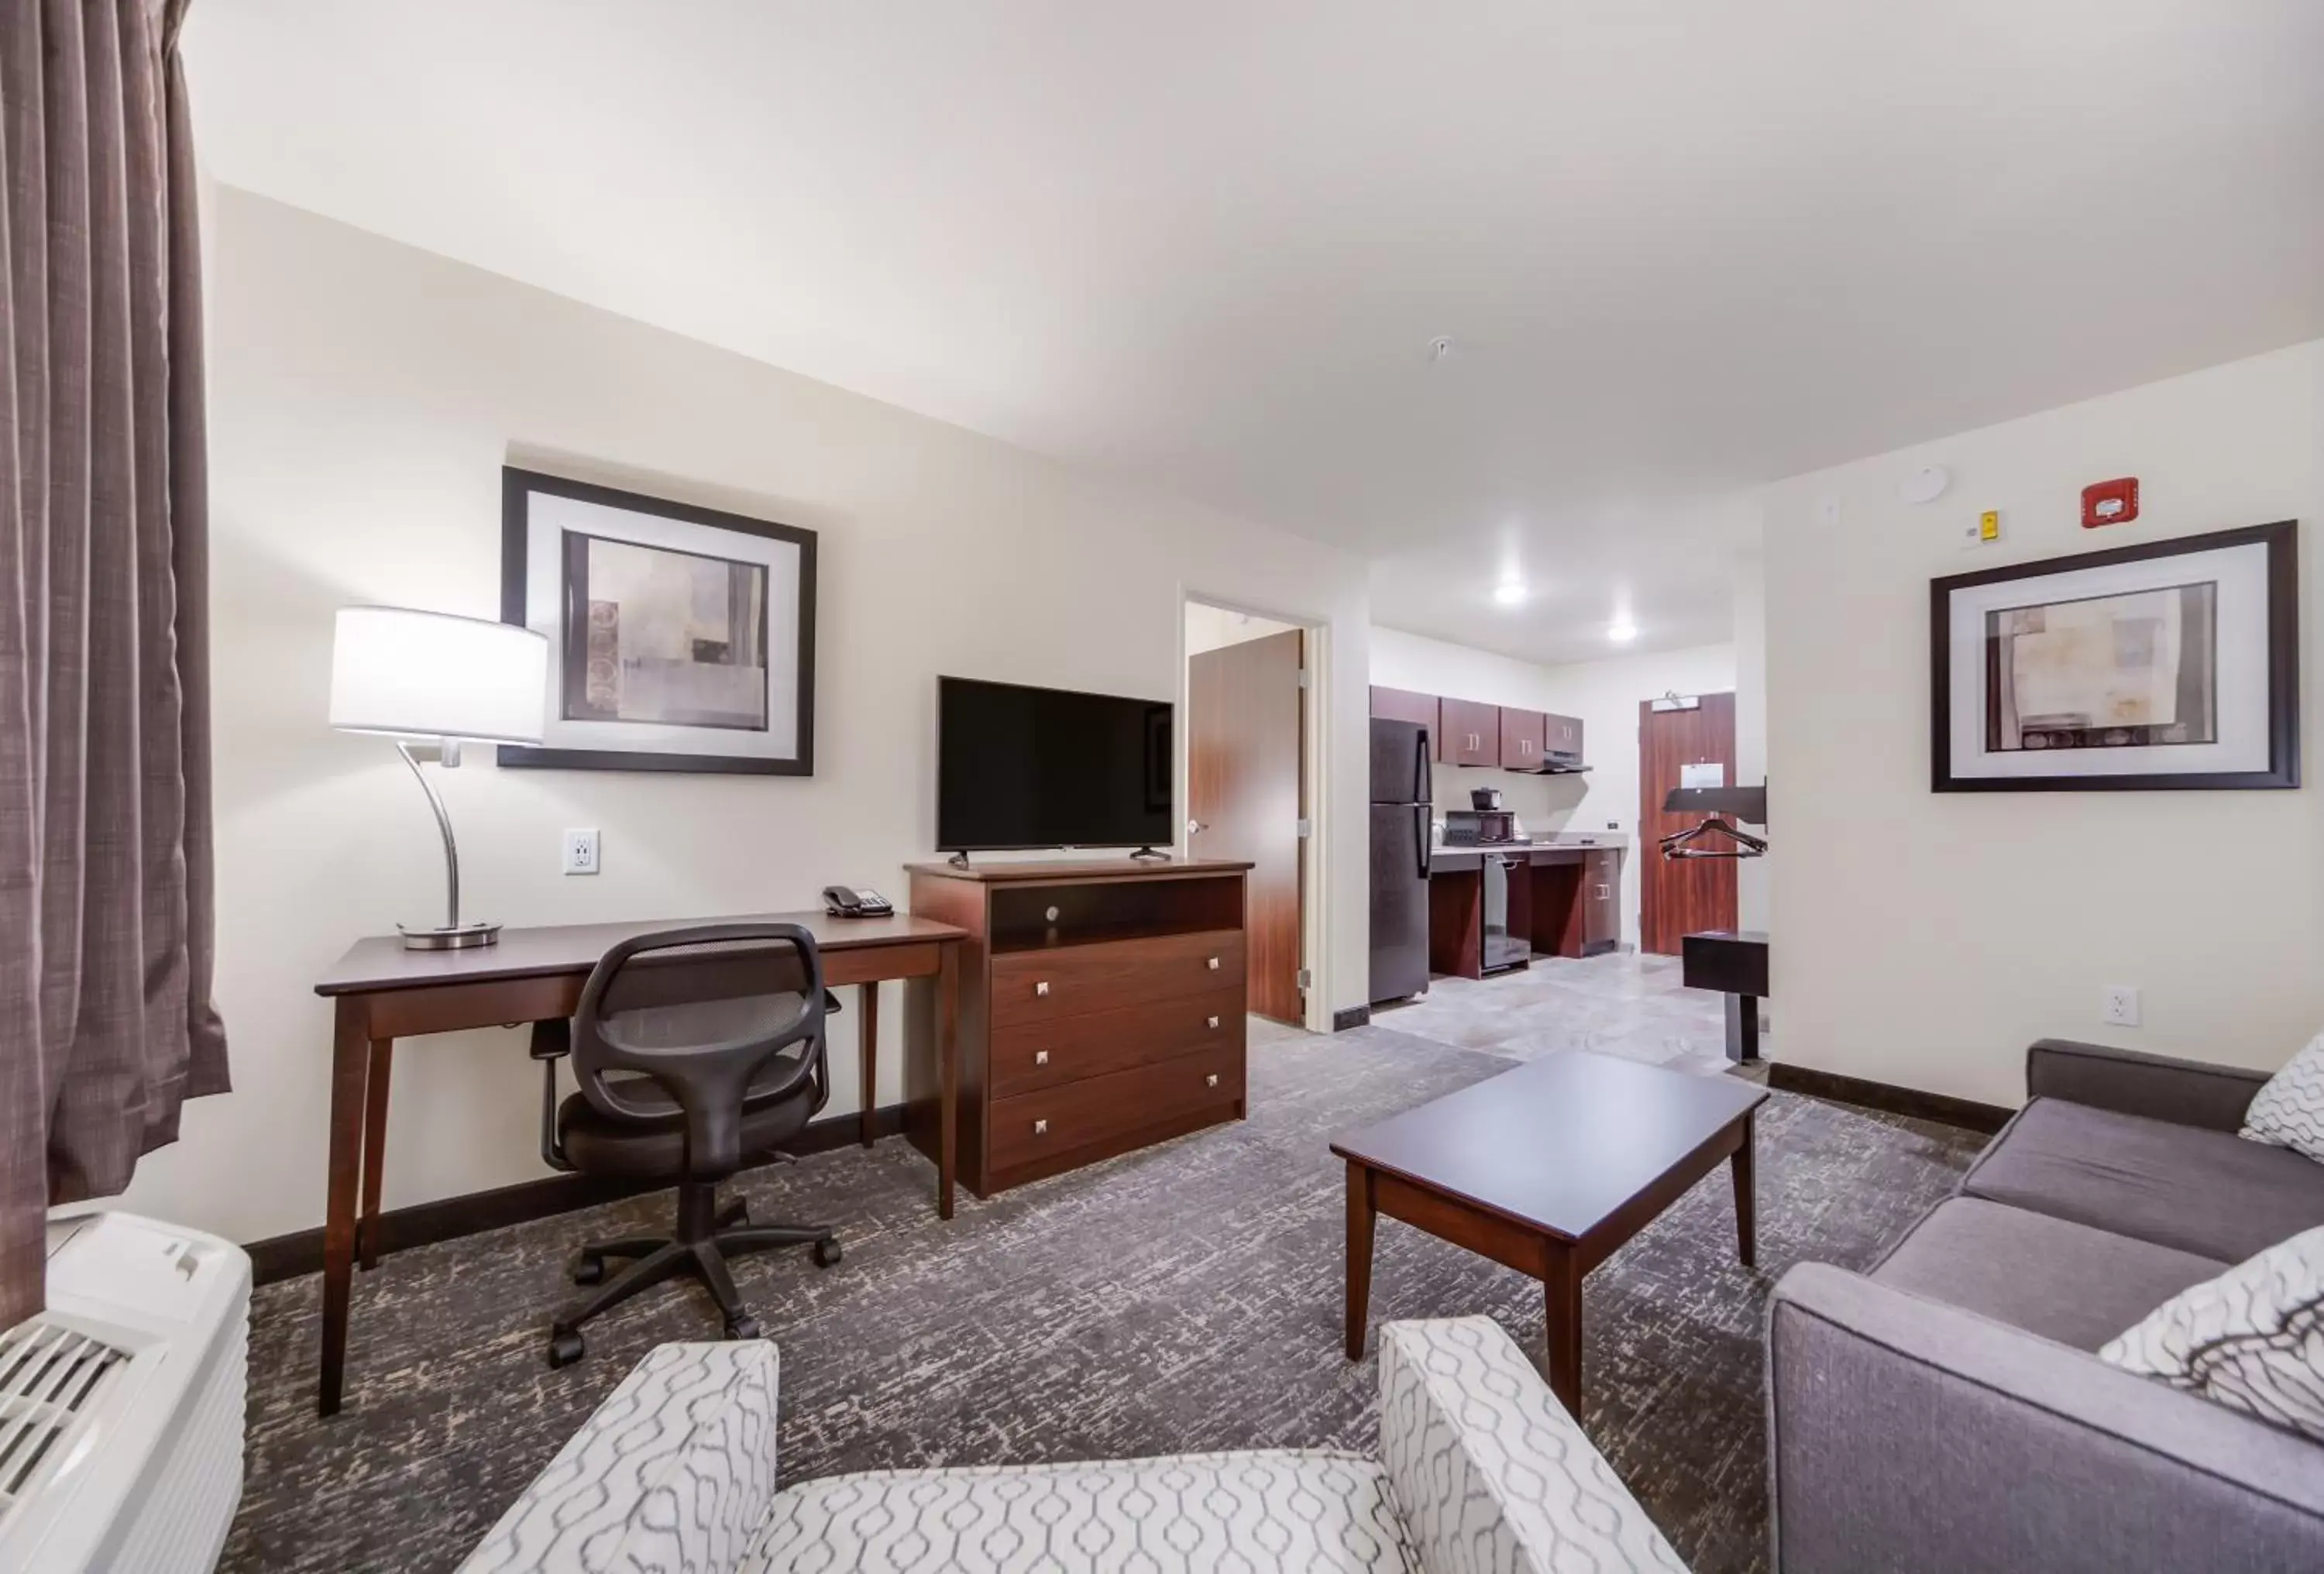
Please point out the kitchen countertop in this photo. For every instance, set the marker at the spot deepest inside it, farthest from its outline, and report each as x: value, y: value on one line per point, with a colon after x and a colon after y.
x: 1446, y: 859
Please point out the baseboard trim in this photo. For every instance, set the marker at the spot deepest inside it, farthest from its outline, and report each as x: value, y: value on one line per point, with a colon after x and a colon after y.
x: 286, y: 1257
x: 1889, y: 1098
x: 1353, y: 1017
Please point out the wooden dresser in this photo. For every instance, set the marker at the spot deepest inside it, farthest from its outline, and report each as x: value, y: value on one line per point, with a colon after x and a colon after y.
x: 1100, y: 1010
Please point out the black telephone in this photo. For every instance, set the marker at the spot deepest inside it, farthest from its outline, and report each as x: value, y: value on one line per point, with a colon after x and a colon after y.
x: 846, y: 902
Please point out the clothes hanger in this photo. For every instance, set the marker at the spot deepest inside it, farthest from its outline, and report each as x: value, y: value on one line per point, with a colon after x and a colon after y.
x: 1677, y: 844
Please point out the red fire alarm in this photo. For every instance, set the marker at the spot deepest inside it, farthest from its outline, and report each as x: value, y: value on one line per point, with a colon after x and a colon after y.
x: 2110, y: 503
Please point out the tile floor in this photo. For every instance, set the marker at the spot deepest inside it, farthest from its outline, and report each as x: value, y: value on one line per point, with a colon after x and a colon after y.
x: 1623, y: 1003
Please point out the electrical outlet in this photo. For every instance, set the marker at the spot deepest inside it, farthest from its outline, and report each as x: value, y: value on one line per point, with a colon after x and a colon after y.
x: 581, y: 852
x: 2121, y: 1006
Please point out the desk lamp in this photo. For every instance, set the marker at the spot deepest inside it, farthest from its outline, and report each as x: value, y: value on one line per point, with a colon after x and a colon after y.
x: 417, y: 676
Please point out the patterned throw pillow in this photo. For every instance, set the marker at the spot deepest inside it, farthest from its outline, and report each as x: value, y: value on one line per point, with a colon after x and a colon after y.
x: 2289, y: 1111
x: 2252, y: 1339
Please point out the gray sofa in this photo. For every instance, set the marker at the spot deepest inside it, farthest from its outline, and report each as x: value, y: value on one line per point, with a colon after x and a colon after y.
x: 1948, y: 1410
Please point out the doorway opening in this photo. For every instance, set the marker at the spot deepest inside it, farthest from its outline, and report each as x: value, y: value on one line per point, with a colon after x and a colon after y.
x: 1683, y: 740
x: 1249, y: 786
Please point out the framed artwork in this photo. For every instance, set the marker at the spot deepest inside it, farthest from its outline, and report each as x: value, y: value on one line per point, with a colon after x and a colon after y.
x: 2167, y: 665
x: 679, y: 637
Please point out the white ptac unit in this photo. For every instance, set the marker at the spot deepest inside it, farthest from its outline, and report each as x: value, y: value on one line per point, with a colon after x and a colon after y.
x: 121, y: 1405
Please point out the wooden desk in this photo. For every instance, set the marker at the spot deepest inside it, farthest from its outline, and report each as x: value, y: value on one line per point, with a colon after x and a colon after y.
x: 383, y: 992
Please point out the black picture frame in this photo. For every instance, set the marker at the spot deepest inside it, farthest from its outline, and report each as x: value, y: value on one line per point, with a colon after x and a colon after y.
x: 2280, y: 539
x: 518, y: 485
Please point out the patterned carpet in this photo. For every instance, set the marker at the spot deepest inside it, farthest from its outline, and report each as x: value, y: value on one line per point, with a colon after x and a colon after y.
x: 1186, y: 1297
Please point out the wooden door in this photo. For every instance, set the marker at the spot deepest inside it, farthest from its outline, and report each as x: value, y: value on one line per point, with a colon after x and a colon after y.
x: 1245, y: 797
x: 1679, y: 896
x: 1472, y: 732
x: 1521, y: 736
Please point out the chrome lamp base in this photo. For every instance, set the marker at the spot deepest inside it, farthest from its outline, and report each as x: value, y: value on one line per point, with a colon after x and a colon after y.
x: 452, y: 937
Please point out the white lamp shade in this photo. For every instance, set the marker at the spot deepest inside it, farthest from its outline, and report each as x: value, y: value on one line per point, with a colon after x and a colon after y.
x: 431, y: 675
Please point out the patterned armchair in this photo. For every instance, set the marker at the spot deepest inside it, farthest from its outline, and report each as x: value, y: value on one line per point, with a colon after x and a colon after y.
x: 1480, y: 1472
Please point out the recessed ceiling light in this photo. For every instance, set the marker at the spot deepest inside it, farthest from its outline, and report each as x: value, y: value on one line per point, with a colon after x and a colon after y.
x: 1511, y: 593
x: 1623, y: 632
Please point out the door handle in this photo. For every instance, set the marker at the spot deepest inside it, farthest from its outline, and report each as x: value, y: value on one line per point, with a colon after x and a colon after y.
x: 1420, y: 837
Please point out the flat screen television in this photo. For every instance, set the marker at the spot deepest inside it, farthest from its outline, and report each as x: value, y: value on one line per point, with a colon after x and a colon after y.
x: 1026, y: 768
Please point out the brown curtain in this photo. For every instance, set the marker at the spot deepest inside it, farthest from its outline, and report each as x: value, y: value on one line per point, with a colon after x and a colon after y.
x: 106, y: 1019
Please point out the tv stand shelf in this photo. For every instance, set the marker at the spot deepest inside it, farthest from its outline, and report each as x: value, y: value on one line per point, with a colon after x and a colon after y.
x: 1100, y: 1010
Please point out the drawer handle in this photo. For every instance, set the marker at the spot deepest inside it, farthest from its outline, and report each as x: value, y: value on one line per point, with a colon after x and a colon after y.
x: 1041, y: 988
x: 1214, y: 964
x: 1212, y: 1081
x: 1040, y: 1057
x: 1040, y: 1129
x: 1211, y: 1022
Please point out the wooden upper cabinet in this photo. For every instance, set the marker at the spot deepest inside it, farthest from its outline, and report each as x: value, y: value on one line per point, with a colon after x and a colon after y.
x: 1562, y: 736
x: 1521, y: 738
x: 1402, y: 705
x: 1472, y: 732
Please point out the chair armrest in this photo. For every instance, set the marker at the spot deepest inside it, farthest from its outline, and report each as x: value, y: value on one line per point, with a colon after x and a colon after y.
x: 2185, y: 1092
x: 673, y: 1471
x: 1910, y: 1436
x: 1487, y: 1468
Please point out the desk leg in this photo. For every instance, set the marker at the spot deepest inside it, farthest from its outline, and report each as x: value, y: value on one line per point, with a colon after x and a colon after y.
x: 350, y: 1073
x: 374, y: 1155
x: 867, y: 1056
x: 1360, y: 1215
x: 949, y: 1076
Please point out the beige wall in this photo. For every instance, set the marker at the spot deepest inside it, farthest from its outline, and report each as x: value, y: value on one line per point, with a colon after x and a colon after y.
x: 363, y: 397
x: 1924, y: 939
x: 1605, y: 695
x: 1752, y: 875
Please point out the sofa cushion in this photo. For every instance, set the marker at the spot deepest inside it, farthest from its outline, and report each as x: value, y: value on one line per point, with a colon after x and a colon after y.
x: 2208, y: 1193
x: 2252, y: 1339
x: 2288, y: 1111
x: 1290, y: 1508
x: 2063, y: 1281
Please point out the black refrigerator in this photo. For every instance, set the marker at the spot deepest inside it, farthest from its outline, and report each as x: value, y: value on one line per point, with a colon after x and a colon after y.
x: 1400, y: 813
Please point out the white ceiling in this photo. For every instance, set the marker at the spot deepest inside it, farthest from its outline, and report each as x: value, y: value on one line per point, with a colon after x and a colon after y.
x: 1684, y: 246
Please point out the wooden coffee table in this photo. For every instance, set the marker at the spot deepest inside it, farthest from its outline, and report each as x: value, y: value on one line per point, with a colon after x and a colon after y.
x: 1548, y: 1169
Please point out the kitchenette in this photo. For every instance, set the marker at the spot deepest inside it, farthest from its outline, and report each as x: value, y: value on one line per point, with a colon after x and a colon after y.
x: 1469, y: 890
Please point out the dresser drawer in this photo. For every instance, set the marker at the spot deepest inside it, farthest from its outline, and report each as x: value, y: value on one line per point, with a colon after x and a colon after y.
x: 1041, y: 1054
x: 1067, y: 981
x: 1031, y: 1126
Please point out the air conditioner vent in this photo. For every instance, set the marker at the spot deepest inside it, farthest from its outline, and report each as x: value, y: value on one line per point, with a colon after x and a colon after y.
x: 50, y: 1375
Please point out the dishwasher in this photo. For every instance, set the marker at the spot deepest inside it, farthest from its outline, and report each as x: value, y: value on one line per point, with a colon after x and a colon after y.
x: 1502, y: 949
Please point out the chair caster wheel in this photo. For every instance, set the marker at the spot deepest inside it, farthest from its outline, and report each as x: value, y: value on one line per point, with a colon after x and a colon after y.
x: 735, y: 1213
x: 742, y: 1328
x: 590, y: 1269
x: 826, y: 1253
x: 565, y: 1348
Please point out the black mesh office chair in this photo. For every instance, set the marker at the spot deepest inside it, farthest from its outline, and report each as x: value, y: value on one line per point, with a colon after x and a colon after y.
x: 694, y: 1049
